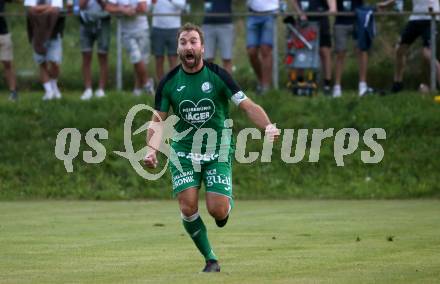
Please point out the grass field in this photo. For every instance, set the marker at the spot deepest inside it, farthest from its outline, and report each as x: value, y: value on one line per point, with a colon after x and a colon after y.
x: 265, y: 242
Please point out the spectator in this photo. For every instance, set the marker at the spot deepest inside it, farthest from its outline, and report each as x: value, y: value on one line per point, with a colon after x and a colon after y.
x: 343, y: 28
x: 417, y: 26
x: 94, y: 26
x: 219, y: 32
x: 164, y: 32
x: 6, y: 54
x: 135, y: 38
x: 259, y: 39
x: 45, y: 26
x: 325, y: 42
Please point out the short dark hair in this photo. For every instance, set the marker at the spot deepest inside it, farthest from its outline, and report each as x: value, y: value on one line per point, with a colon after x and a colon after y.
x: 187, y: 27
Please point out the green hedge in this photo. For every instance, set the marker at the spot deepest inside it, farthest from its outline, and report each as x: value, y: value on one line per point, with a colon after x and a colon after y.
x: 410, y: 168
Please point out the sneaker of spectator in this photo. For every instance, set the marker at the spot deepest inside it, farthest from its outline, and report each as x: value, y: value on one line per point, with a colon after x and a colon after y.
x: 56, y: 91
x: 137, y: 92
x: 396, y: 87
x: 149, y: 87
x: 87, y: 95
x: 48, y: 91
x: 13, y: 96
x: 327, y: 89
x: 99, y: 93
x: 364, y: 89
x: 262, y: 90
x: 423, y: 88
x: 48, y: 95
x: 337, y: 91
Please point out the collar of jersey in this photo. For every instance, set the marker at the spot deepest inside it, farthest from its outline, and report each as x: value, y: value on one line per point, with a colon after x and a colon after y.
x: 195, y: 73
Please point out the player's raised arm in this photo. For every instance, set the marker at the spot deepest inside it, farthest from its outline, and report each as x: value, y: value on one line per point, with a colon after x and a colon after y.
x: 154, y: 138
x: 259, y: 117
x: 255, y: 112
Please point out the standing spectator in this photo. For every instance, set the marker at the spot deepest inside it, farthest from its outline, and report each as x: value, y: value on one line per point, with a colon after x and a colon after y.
x: 94, y: 26
x: 343, y: 28
x: 259, y: 40
x: 219, y: 32
x: 325, y: 41
x: 6, y: 54
x: 164, y: 32
x: 135, y: 38
x: 45, y: 26
x: 417, y: 26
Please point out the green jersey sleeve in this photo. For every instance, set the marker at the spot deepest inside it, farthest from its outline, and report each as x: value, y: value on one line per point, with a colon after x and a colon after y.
x: 230, y: 88
x: 162, y: 99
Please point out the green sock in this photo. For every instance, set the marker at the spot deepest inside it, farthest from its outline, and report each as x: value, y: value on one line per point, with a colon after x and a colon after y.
x: 197, y: 231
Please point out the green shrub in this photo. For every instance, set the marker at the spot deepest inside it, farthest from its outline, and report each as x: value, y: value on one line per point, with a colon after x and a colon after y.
x: 29, y: 168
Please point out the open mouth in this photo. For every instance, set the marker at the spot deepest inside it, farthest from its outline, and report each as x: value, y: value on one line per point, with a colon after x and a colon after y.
x: 189, y: 56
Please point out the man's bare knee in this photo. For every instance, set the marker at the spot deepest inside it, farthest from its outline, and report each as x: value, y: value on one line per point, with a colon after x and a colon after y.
x: 266, y: 51
x: 252, y: 52
x: 219, y: 212
x: 188, y: 202
x: 188, y: 210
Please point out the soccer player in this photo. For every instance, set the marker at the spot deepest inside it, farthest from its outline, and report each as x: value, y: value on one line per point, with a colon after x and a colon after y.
x: 198, y: 92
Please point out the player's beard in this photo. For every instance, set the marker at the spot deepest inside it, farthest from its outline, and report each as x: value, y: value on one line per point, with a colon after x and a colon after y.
x: 190, y: 58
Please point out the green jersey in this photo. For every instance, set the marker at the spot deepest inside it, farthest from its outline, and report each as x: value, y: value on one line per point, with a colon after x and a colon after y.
x: 201, y: 101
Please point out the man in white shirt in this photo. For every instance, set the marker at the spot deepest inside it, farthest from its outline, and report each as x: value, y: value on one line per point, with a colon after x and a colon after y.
x: 259, y: 40
x: 46, y: 42
x: 164, y: 32
x: 135, y: 38
x: 417, y: 26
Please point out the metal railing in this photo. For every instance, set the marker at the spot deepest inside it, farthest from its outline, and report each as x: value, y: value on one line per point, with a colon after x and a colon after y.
x: 275, y: 74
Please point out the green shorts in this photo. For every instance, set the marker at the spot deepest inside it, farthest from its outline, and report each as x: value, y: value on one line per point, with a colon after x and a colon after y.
x: 217, y: 176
